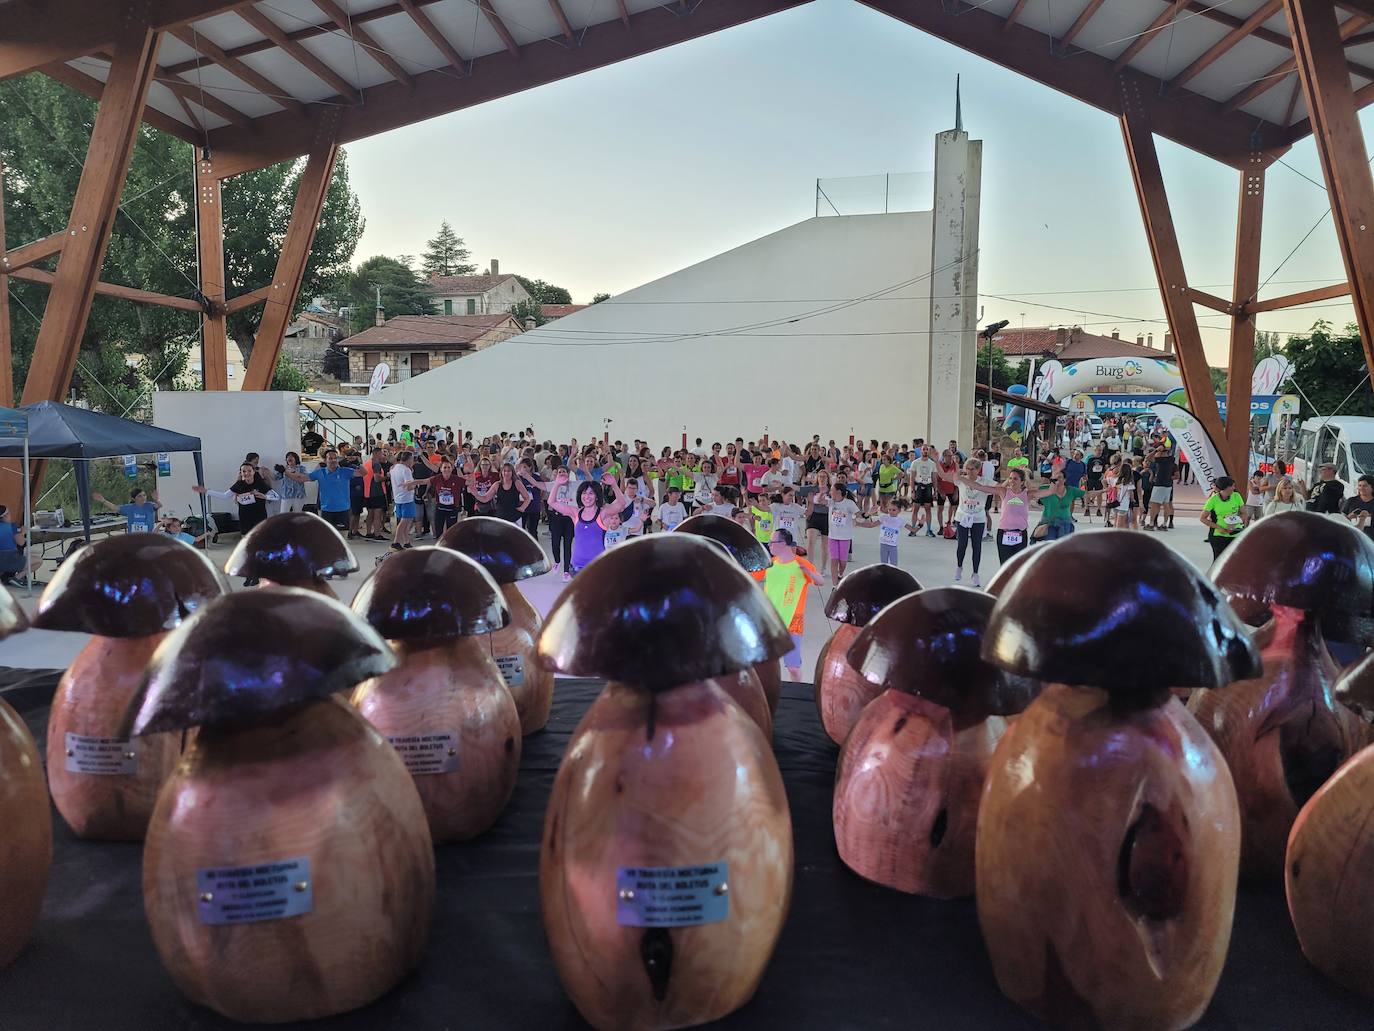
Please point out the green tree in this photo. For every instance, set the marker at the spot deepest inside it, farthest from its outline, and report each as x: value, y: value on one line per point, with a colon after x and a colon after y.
x: 287, y: 377
x: 1004, y: 373
x: 522, y: 310
x: 601, y: 297
x: 403, y: 292
x: 446, y: 254
x: 545, y: 293
x: 128, y: 348
x: 1329, y: 366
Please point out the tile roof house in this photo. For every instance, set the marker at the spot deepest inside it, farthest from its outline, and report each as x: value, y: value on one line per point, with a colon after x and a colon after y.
x: 1071, y: 344
x: 489, y: 294
x: 412, y: 344
x: 557, y: 311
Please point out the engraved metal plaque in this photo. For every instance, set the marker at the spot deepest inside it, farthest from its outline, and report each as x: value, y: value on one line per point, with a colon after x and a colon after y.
x: 427, y: 753
x: 103, y: 756
x: 512, y: 669
x: 672, y: 896
x: 251, y: 894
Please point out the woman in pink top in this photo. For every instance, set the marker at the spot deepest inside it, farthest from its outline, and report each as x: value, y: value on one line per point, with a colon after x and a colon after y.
x: 1012, y: 535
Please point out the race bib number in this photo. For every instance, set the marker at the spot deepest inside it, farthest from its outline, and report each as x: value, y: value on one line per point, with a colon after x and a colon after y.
x: 1233, y: 521
x: 445, y: 497
x: 245, y: 499
x: 615, y: 537
x: 786, y: 523
x: 1012, y: 537
x: 888, y: 536
x: 840, y: 519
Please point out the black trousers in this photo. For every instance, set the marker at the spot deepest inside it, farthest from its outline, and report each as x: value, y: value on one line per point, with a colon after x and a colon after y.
x: 1219, y: 544
x: 561, y: 537
x: 1005, y: 552
x: 529, y: 519
x: 965, y: 535
x: 444, y: 518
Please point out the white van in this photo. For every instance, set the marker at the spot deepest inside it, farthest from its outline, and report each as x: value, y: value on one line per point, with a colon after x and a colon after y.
x: 1346, y: 441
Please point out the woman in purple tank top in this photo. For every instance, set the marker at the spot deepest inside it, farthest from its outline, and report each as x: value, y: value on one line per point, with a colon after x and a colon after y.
x: 588, y: 536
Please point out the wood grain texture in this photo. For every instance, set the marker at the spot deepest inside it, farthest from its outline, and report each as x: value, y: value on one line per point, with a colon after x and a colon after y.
x: 1106, y: 858
x: 25, y: 834
x: 746, y: 691
x: 770, y: 676
x: 454, y: 688
x: 534, y: 697
x: 841, y: 691
x: 1282, y: 735
x: 320, y: 783
x: 92, y: 698
x: 907, y: 791
x: 1330, y: 896
x: 682, y: 777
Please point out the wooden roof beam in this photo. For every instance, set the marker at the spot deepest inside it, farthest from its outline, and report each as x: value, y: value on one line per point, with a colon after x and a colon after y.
x: 1013, y: 14
x: 1147, y: 36
x: 203, y: 45
x: 1321, y: 293
x: 43, y: 32
x: 1081, y: 22
x: 432, y: 31
x: 562, y: 19
x: 126, y: 293
x: 1280, y: 71
x: 276, y: 36
x: 1223, y: 46
x: 358, y: 34
x: 94, y: 88
x: 283, y: 135
x: 31, y: 253
x: 500, y: 27
x: 202, y: 97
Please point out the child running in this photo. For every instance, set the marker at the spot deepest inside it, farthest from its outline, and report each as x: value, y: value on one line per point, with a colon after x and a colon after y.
x: 786, y: 583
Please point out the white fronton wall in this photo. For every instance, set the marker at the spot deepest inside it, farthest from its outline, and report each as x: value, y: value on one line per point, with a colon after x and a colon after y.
x: 772, y: 334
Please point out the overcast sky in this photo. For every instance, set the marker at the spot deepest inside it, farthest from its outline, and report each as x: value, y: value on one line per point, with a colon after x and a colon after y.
x: 616, y: 177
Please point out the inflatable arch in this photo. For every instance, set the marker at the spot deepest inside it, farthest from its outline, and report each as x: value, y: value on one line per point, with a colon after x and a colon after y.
x: 1057, y: 381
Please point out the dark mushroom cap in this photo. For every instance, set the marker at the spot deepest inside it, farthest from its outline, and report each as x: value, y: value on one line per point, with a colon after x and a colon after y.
x: 930, y: 644
x: 12, y: 618
x: 664, y: 610
x: 1302, y: 560
x: 746, y: 549
x: 502, y: 548
x: 865, y: 591
x: 1119, y: 611
x: 431, y: 594
x: 248, y: 655
x: 292, y: 548
x: 130, y: 585
x: 1008, y: 569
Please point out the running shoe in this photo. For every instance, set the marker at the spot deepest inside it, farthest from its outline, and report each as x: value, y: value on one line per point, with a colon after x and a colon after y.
x: 975, y: 581
x: 566, y: 577
x: 958, y: 575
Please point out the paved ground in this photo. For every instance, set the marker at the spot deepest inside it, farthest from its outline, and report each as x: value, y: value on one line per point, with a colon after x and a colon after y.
x: 930, y: 561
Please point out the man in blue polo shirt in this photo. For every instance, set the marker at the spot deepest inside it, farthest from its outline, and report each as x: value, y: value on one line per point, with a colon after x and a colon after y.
x: 334, y: 481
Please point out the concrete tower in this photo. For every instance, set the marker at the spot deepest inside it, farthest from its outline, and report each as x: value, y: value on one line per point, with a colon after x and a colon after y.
x: 954, y: 283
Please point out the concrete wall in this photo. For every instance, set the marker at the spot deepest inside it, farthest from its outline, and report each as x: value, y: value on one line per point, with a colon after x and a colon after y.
x: 954, y: 286
x: 229, y: 424
x: 657, y: 358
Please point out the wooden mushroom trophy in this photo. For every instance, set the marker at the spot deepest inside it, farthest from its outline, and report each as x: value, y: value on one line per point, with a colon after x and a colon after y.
x: 288, y: 872
x: 510, y: 555
x: 127, y: 592
x: 1283, y: 733
x: 841, y: 690
x: 1330, y: 850
x: 1109, y: 832
x: 910, y: 777
x: 663, y: 902
x: 444, y: 707
x: 293, y: 549
x: 758, y: 688
x: 25, y: 822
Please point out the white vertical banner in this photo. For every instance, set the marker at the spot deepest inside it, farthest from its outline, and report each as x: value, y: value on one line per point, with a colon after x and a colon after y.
x: 1195, y: 441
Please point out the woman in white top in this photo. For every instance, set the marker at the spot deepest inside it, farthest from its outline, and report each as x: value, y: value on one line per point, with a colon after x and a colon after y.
x: 970, y: 516
x: 843, y: 512
x: 1287, y: 498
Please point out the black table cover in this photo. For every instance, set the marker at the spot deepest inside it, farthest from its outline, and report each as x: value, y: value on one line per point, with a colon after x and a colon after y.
x: 852, y: 954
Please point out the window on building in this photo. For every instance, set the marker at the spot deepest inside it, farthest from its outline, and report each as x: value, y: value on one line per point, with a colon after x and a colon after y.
x: 452, y: 356
x: 472, y: 305
x: 448, y: 305
x: 419, y: 362
x: 370, y: 359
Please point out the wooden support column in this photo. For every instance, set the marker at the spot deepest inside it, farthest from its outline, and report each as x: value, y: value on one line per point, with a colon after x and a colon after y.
x: 6, y: 355
x: 92, y: 215
x: 214, y: 336
x: 1245, y: 284
x: 1331, y: 106
x: 1168, y: 262
x: 295, y: 252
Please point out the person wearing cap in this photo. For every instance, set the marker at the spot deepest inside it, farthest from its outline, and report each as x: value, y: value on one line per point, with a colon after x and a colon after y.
x: 1327, y: 493
x: 786, y: 583
x: 1223, y: 515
